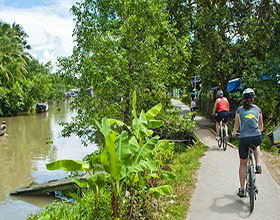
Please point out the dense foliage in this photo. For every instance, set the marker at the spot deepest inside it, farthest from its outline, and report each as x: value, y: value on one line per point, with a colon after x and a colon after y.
x: 234, y: 39
x: 24, y: 81
x: 148, y: 46
x: 167, y: 207
x: 130, y: 161
x: 156, y: 45
x: 122, y: 46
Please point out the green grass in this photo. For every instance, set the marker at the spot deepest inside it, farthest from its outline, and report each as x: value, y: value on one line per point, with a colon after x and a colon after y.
x: 84, y: 210
x: 185, y: 165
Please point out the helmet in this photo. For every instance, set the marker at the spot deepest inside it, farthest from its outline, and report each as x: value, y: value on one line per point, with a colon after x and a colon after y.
x: 220, y: 93
x: 248, y: 93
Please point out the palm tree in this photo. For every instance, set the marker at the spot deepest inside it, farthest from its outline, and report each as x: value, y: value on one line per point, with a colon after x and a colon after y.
x: 12, y: 57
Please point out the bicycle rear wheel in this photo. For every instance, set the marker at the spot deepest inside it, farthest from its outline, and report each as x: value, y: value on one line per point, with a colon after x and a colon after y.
x: 224, y: 139
x: 251, y: 188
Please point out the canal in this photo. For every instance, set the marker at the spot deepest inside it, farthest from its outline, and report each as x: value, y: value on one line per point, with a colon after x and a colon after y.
x: 31, y: 142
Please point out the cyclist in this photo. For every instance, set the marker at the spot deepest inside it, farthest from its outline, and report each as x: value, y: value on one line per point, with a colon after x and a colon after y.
x: 193, y: 101
x: 223, y: 109
x: 250, y: 121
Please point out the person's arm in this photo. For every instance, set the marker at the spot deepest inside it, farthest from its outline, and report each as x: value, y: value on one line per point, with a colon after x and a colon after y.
x: 214, y: 108
x: 236, y: 124
x: 261, y: 122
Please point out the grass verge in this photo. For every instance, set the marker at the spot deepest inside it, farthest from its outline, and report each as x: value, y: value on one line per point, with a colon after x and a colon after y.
x: 185, y: 167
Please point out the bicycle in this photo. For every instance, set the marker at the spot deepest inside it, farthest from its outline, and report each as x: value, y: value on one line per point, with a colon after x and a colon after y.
x: 250, y: 180
x: 223, y: 135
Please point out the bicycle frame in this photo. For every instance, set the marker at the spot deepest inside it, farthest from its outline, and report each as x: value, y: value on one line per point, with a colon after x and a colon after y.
x: 222, y: 131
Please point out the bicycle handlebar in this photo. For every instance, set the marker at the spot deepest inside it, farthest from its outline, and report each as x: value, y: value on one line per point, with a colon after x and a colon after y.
x: 253, y: 147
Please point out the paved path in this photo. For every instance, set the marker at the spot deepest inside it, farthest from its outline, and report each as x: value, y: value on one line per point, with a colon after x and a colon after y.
x: 215, y: 194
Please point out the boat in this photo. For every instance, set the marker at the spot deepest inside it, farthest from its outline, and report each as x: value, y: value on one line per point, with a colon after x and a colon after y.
x: 41, y: 107
x: 3, y: 128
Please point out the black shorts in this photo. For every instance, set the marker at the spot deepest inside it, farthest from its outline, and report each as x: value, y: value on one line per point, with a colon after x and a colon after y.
x: 193, y: 109
x: 245, y: 143
x: 223, y: 115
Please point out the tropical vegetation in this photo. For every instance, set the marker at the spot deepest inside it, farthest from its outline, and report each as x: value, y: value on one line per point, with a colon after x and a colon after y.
x: 131, y: 166
x: 130, y: 161
x: 24, y: 81
x: 151, y: 47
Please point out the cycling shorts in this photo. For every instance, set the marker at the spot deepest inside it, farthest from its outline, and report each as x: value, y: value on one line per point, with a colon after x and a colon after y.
x: 245, y: 143
x: 223, y: 115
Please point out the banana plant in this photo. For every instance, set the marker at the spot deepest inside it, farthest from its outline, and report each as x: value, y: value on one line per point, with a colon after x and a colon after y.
x: 123, y: 155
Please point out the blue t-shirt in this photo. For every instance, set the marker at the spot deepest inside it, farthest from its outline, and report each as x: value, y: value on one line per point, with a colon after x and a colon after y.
x: 249, y: 118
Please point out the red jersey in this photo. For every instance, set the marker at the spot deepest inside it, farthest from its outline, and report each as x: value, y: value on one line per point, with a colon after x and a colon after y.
x: 223, y: 105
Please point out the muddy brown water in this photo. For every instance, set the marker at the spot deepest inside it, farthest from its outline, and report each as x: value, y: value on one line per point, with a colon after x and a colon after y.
x: 32, y: 141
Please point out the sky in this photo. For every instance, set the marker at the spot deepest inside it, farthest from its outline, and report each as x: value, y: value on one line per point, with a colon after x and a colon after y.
x: 48, y: 23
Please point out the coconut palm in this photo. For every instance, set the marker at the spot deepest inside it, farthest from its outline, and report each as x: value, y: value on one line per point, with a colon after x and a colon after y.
x: 12, y: 56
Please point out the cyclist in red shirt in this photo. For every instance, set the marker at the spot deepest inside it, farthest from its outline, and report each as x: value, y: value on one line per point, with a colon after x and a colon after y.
x: 223, y: 109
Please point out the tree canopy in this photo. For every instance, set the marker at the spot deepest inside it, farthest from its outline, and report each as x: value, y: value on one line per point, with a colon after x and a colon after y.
x: 124, y: 46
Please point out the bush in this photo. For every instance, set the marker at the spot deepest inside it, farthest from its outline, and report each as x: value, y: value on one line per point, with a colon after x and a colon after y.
x: 185, y: 99
x: 85, y: 209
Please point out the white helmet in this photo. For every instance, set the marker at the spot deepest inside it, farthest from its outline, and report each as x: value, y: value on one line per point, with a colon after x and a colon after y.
x: 220, y: 94
x: 248, y: 93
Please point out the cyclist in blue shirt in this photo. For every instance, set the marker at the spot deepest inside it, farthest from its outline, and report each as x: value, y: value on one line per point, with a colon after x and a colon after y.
x: 249, y: 120
x: 193, y: 101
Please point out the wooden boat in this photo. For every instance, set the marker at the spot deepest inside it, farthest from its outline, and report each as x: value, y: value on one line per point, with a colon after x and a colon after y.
x: 49, y: 187
x: 41, y: 107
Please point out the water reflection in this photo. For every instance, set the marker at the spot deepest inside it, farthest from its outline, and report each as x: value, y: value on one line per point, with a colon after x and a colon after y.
x: 24, y: 151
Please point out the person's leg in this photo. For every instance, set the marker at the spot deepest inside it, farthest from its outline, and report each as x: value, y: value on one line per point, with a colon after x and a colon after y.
x: 218, y: 128
x: 225, y: 124
x: 243, y: 155
x: 242, y: 172
x: 257, y: 152
x: 257, y: 142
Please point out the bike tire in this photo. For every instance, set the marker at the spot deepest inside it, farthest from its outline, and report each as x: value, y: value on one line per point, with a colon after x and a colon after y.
x: 221, y: 137
x: 251, y: 189
x: 224, y: 139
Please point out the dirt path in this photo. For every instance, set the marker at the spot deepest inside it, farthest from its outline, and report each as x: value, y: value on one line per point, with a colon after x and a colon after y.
x: 215, y: 194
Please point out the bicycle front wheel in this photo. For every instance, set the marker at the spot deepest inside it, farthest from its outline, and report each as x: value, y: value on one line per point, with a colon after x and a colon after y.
x: 251, y: 188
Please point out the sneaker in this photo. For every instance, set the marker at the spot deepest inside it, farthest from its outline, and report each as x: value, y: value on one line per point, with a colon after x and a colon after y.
x: 218, y: 138
x: 241, y: 193
x: 258, y: 169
